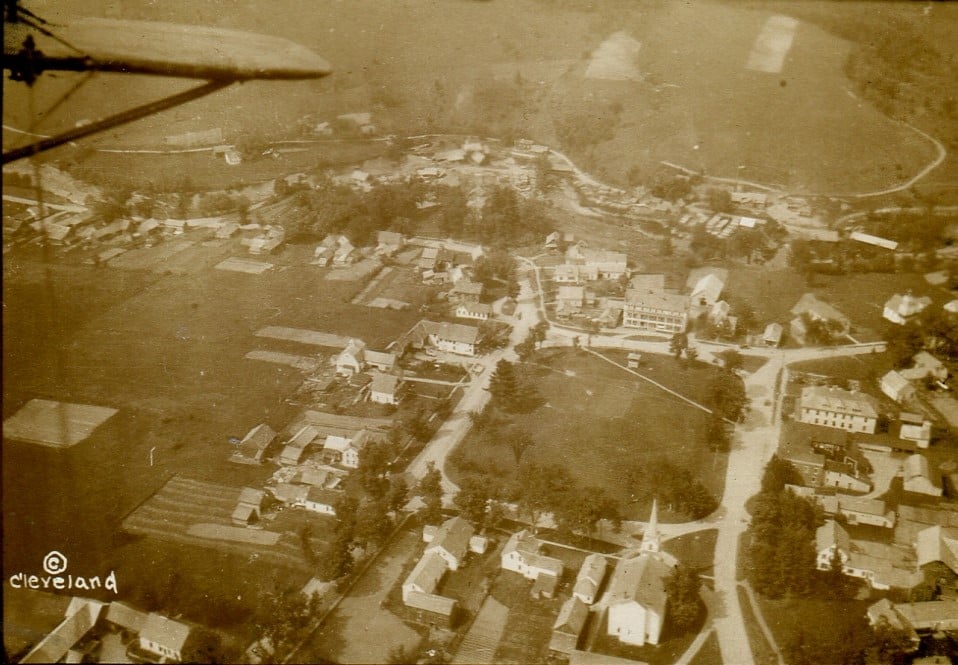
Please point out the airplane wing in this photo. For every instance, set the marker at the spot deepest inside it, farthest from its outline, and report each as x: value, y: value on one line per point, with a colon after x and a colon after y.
x: 163, y: 49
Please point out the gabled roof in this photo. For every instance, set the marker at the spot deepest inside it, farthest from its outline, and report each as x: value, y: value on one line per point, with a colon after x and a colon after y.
x: 917, y: 466
x: 818, y: 309
x: 259, y: 437
x: 773, y: 333
x: 453, y: 536
x: 639, y: 578
x: 937, y: 543
x: 289, y: 493
x: 427, y: 572
x: 907, y: 305
x: 304, y: 436
x: 838, y: 400
x: 323, y: 496
x: 648, y: 282
x: 831, y: 534
x: 590, y: 575
x: 384, y: 383
x: 571, y: 617
x: 895, y: 381
x: 161, y: 630
x: 660, y: 301
x: 924, y: 363
x: 456, y: 332
x: 380, y: 358
x: 122, y: 615
x: 528, y: 546
x: 243, y: 512
x: 708, y: 288
x: 468, y: 287
x: 251, y: 496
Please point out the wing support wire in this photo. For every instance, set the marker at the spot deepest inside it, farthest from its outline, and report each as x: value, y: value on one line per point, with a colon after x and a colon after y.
x: 117, y: 119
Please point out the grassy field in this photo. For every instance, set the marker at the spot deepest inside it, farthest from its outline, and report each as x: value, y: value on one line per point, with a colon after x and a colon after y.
x: 762, y: 651
x: 519, y: 68
x: 860, y: 296
x: 709, y: 653
x: 167, y: 350
x: 824, y: 623
x: 598, y: 421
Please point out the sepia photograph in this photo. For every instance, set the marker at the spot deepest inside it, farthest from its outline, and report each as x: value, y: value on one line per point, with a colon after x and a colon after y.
x: 559, y: 332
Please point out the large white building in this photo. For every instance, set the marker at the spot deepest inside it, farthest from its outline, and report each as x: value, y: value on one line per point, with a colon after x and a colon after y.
x: 650, y: 310
x: 834, y: 407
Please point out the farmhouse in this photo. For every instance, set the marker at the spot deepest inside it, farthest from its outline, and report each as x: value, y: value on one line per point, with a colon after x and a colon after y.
x: 384, y: 388
x: 476, y: 311
x: 706, y: 286
x: 320, y: 500
x: 920, y: 477
x: 249, y: 507
x: 915, y: 429
x: 568, y: 273
x: 521, y: 554
x: 608, y: 264
x: 452, y: 540
x: 589, y: 579
x: 164, y: 637
x: 661, y: 312
x: 859, y: 511
x: 901, y: 309
x: 351, y: 360
x: 344, y: 450
x: 925, y: 365
x: 568, y: 626
x: 466, y: 291
x: 897, y: 387
x: 452, y: 337
x: 816, y: 310
x: 882, y: 566
x: 835, y: 407
x: 253, y: 447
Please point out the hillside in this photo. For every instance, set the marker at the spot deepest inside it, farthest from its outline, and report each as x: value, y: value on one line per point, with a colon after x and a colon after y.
x: 734, y: 90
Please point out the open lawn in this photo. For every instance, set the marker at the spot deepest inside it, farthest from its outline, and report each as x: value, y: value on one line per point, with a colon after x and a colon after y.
x: 520, y: 68
x: 867, y: 367
x: 598, y: 422
x: 860, y: 296
x: 695, y: 550
x: 762, y: 651
x: 709, y: 653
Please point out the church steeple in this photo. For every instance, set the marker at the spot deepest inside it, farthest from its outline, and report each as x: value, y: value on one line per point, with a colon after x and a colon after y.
x: 651, y: 540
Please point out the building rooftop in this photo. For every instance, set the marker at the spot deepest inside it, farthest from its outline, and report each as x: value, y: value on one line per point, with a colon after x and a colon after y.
x: 837, y: 400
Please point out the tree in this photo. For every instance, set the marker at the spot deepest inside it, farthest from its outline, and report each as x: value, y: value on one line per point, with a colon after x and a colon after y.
x: 727, y: 396
x: 286, y: 619
x: 473, y: 498
x: 890, y: 644
x: 519, y: 441
x: 538, y: 333
x: 691, y: 354
x: 504, y: 386
x: 720, y: 200
x: 401, y: 655
x: 678, y: 343
x: 778, y: 473
x: 684, y: 604
x: 717, y: 434
x: 430, y: 489
x: 373, y: 523
x: 732, y: 360
x: 398, y: 493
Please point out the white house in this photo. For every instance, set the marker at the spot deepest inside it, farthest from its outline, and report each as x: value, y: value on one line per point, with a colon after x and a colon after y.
x: 384, y: 388
x: 590, y: 577
x: 452, y: 540
x: 925, y: 365
x: 521, y: 554
x: 838, y: 408
x: 921, y: 477
x: 897, y: 387
x: 477, y: 311
x: 456, y: 338
x: 319, y: 500
x: 351, y: 360
x: 345, y: 448
x: 636, y: 598
x: 164, y: 637
x: 773, y: 334
x: 901, y: 309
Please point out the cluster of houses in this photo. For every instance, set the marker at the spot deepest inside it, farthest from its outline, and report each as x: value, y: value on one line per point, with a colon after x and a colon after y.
x: 96, y: 631
x: 446, y: 549
x: 321, y: 450
x: 826, y: 442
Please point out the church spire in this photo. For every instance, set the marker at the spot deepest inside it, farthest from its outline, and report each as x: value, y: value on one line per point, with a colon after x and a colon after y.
x: 651, y: 538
